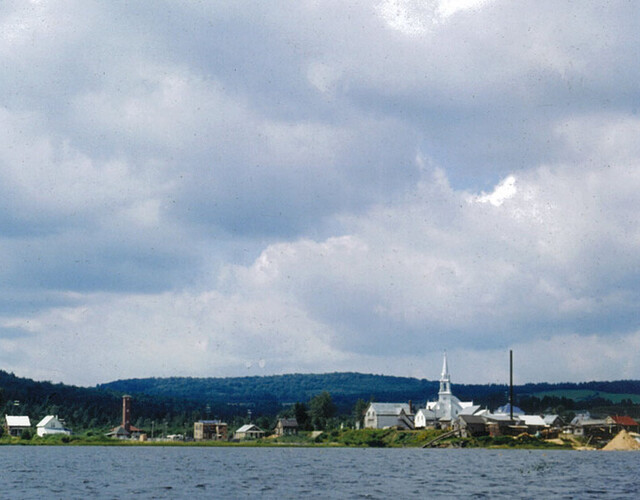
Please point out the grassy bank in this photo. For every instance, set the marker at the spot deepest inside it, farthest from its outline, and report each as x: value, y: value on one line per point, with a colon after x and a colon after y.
x: 365, y: 438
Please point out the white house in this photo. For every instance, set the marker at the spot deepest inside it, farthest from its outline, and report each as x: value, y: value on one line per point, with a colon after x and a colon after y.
x: 425, y: 417
x: 448, y: 407
x: 15, y: 424
x: 384, y: 415
x: 51, y: 425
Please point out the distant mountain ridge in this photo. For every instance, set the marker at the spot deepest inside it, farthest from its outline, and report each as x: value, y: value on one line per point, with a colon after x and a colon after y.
x: 347, y: 387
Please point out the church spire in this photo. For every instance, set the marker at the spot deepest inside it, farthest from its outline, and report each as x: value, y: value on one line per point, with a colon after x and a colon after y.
x: 445, y: 378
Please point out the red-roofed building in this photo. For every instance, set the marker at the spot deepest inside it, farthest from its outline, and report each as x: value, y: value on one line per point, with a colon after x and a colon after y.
x: 620, y: 422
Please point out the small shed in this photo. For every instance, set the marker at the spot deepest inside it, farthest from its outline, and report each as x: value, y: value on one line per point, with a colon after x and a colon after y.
x: 249, y: 431
x: 472, y: 425
x: 50, y: 425
x: 15, y: 425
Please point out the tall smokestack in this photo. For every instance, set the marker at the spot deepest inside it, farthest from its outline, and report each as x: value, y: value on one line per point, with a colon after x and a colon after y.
x: 511, y: 383
x: 126, y: 412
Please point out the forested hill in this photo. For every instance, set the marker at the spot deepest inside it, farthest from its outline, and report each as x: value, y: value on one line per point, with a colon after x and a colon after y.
x: 179, y: 400
x: 346, y: 388
x: 82, y: 407
x: 343, y: 387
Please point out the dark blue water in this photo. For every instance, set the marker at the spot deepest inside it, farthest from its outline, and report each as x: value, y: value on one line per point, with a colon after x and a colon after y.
x: 179, y: 472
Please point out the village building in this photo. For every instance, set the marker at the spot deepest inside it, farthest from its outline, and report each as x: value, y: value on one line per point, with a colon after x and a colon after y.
x: 386, y: 415
x: 51, y: 425
x: 554, y: 421
x: 249, y: 431
x: 125, y: 430
x: 286, y: 427
x: 499, y: 424
x: 446, y: 410
x: 533, y: 423
x: 585, y: 425
x: 15, y: 425
x: 425, y: 418
x: 210, y: 430
x: 472, y: 426
x: 618, y: 423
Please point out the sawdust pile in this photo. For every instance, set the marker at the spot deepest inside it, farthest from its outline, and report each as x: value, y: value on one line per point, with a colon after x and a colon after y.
x: 622, y: 442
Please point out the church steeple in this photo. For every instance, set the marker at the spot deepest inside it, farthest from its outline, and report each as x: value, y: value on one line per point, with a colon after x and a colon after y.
x: 445, y: 378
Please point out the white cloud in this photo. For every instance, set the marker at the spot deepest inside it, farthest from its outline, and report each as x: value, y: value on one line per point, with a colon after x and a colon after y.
x: 259, y: 166
x: 503, y: 191
x: 425, y: 273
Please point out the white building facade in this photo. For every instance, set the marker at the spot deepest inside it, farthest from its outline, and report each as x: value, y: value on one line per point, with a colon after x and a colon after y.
x: 385, y: 415
x: 50, y: 425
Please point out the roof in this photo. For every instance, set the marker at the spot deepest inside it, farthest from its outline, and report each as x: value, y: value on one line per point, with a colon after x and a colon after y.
x: 624, y: 420
x: 498, y: 417
x: 118, y: 431
x: 17, y: 421
x: 426, y: 412
x: 551, y: 419
x: 472, y: 419
x: 589, y: 422
x: 217, y: 422
x: 532, y: 420
x: 288, y: 422
x: 249, y: 427
x: 46, y: 420
x: 507, y: 409
x: 390, y: 408
x: 469, y: 410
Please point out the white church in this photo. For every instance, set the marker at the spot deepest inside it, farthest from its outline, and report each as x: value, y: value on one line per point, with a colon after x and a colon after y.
x: 445, y: 411
x: 441, y: 413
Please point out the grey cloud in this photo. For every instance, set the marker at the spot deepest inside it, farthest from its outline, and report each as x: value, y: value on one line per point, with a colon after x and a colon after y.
x: 149, y: 149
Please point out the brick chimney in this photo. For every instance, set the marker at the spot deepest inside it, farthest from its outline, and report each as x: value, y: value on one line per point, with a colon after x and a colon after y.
x: 126, y: 412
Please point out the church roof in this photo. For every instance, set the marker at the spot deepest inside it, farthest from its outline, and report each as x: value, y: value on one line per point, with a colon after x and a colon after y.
x: 507, y: 409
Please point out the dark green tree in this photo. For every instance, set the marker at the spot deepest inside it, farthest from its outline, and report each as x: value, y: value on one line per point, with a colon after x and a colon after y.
x: 358, y: 412
x: 301, y: 412
x: 321, y: 409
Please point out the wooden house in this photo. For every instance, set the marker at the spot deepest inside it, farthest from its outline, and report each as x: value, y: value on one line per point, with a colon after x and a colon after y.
x: 286, y: 427
x: 472, y: 425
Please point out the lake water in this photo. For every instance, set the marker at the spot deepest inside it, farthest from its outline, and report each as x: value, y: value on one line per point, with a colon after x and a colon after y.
x: 181, y: 472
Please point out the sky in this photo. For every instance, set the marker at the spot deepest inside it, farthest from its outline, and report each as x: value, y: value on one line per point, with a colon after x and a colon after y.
x: 210, y: 189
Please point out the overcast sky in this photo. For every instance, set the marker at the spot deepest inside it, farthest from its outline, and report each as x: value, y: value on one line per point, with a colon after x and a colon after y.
x: 253, y: 188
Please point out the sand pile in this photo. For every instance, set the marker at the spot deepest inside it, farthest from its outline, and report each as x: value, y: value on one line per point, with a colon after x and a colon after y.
x: 622, y: 442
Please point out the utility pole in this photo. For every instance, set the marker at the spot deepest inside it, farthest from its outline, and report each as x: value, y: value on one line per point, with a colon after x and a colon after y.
x: 511, y: 384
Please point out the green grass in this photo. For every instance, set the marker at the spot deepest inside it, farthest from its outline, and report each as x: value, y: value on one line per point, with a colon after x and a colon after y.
x: 364, y: 438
